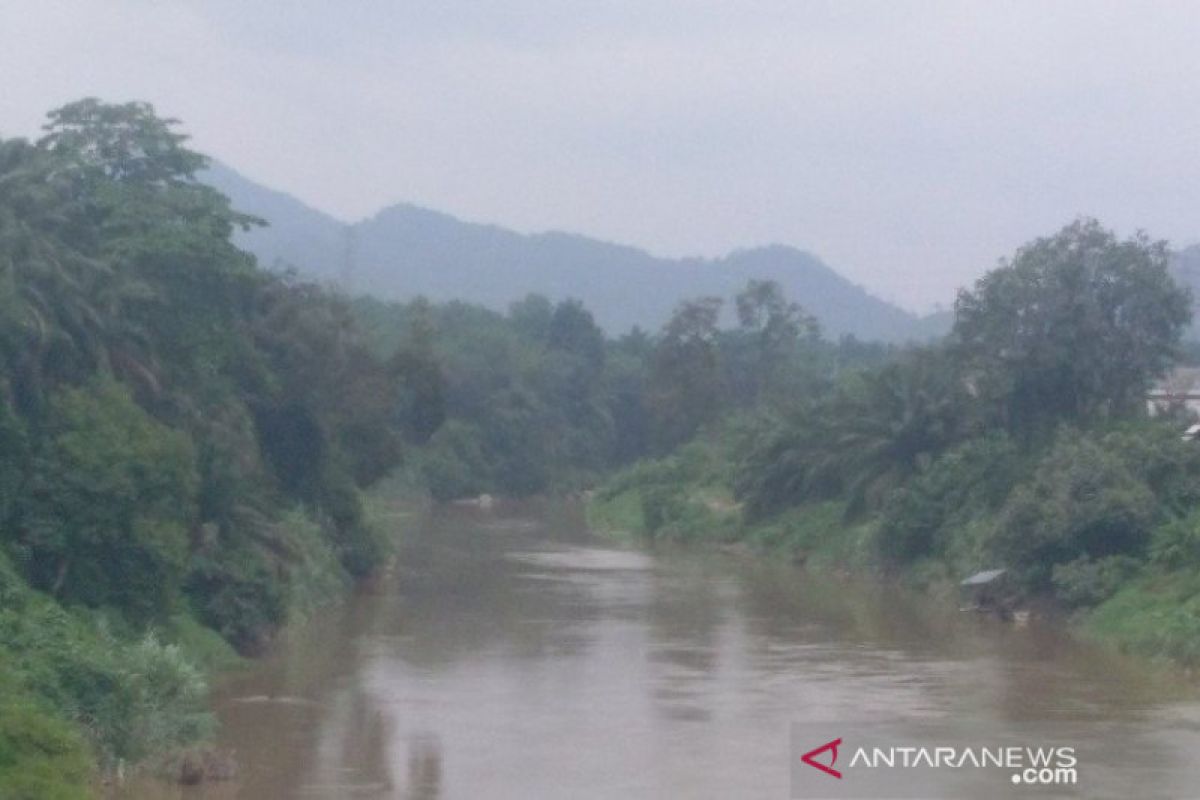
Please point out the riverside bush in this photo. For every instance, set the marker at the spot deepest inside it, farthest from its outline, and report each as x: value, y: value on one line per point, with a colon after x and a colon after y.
x: 1082, y: 501
x: 41, y: 756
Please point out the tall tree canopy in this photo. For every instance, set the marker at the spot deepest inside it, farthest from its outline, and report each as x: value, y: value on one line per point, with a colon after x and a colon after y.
x: 1075, y: 327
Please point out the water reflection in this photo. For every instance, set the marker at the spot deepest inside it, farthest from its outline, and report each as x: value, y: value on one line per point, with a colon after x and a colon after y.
x: 514, y: 656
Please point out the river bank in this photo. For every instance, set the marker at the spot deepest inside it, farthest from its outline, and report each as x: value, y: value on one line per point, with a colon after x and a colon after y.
x: 88, y: 703
x: 1151, y: 610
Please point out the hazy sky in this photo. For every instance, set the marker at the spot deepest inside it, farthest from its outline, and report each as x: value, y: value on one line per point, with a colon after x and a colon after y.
x: 907, y: 144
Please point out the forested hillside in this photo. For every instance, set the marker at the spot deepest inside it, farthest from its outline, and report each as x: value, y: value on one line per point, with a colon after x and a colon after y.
x: 1022, y: 443
x: 406, y: 251
x: 538, y: 400
x: 184, y: 437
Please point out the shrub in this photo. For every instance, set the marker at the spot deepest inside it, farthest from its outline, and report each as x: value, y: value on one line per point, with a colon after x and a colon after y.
x: 164, y: 698
x: 132, y: 700
x: 1154, y: 452
x: 1082, y: 501
x: 453, y: 462
x: 104, y: 520
x: 1089, y: 582
x: 973, y: 479
x: 234, y: 589
x: 314, y: 574
x: 360, y: 546
x: 1176, y: 544
x: 1155, y: 615
x: 41, y: 756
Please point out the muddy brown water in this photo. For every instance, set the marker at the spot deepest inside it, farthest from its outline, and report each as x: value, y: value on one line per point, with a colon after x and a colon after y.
x: 514, y: 655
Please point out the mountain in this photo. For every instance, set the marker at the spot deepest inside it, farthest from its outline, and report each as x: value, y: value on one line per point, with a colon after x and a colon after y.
x: 297, y: 235
x: 405, y: 251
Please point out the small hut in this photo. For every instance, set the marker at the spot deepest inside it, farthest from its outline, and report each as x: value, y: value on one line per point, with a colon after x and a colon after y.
x: 988, y: 591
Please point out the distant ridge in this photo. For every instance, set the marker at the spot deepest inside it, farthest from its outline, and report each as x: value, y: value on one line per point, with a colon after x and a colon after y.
x: 405, y: 251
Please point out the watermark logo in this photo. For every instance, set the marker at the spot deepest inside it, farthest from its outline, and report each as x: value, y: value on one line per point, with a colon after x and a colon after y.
x: 810, y: 758
x: 927, y: 761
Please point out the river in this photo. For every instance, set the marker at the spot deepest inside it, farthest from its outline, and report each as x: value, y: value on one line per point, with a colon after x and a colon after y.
x: 514, y: 655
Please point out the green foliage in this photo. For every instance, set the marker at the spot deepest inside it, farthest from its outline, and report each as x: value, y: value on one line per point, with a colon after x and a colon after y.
x: 1154, y: 451
x: 1090, y: 581
x: 819, y: 533
x: 183, y: 437
x: 316, y: 575
x: 41, y: 757
x: 105, y: 516
x: 923, y: 518
x: 893, y: 421
x: 14, y: 458
x: 1021, y: 444
x: 785, y: 461
x: 234, y: 589
x: 1073, y: 329
x: 678, y: 497
x: 165, y: 698
x: 773, y: 335
x: 454, y: 464
x: 1156, y: 614
x: 539, y: 400
x: 421, y: 404
x: 684, y: 392
x: 617, y: 513
x: 1082, y: 501
x: 132, y: 699
x: 862, y: 441
x: 123, y: 143
x: 1176, y: 544
x: 203, y: 646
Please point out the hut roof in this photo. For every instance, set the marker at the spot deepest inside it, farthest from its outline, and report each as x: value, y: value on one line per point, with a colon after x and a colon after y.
x: 980, y: 578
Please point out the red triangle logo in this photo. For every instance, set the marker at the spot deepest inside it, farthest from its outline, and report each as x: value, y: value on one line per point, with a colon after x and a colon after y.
x: 810, y: 757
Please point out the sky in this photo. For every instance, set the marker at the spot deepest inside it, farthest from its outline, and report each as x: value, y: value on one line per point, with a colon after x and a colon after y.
x: 909, y: 144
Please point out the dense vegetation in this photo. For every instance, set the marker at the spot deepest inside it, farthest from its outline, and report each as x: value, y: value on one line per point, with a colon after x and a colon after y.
x: 183, y: 438
x: 539, y: 400
x: 1022, y: 441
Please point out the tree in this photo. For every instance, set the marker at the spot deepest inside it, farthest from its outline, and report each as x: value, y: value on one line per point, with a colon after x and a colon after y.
x: 1082, y: 502
x: 122, y: 142
x: 531, y: 316
x: 685, y: 388
x: 105, y: 517
x: 573, y: 330
x: 422, y: 391
x: 895, y: 420
x: 774, y: 329
x: 861, y: 441
x: 54, y: 296
x: 1074, y: 328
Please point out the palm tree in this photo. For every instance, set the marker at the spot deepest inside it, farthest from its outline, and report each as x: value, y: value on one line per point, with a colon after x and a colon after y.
x: 894, y: 421
x: 52, y: 295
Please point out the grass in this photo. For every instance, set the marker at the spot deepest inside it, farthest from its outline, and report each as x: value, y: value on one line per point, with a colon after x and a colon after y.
x: 820, y: 534
x: 42, y: 757
x: 618, y: 516
x: 316, y: 577
x: 1156, y: 615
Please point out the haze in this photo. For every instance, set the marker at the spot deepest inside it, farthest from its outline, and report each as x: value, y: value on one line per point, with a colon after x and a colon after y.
x: 909, y: 145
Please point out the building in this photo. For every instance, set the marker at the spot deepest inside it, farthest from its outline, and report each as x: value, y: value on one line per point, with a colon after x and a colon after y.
x: 1179, y: 390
